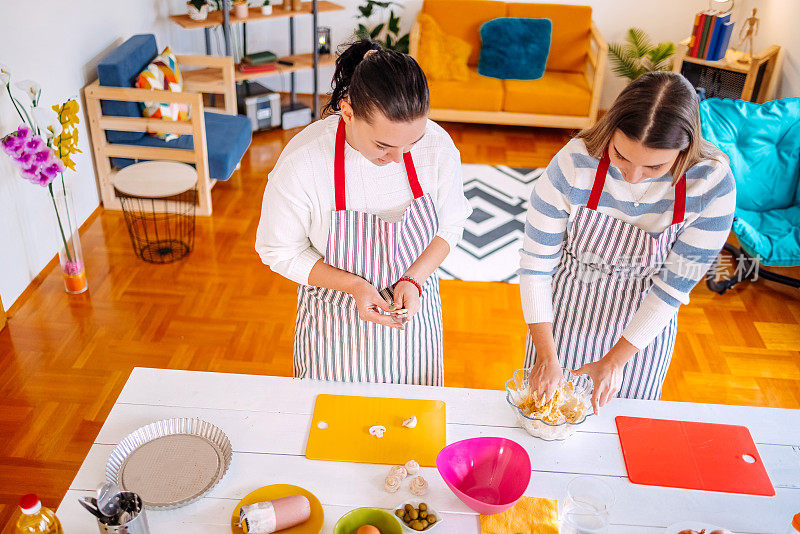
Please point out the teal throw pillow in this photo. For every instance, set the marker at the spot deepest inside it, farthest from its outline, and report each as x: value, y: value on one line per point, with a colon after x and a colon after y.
x: 514, y: 48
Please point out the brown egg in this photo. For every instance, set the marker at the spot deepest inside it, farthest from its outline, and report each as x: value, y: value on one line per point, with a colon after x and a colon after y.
x: 368, y: 529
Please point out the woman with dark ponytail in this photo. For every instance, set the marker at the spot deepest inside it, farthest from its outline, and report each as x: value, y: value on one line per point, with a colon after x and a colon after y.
x: 360, y: 210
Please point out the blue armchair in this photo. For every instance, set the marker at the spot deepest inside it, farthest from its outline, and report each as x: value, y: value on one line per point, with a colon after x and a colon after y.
x: 763, y: 144
x: 213, y: 141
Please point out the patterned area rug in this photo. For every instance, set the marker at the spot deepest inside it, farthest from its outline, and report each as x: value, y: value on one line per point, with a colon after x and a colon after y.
x: 489, y: 251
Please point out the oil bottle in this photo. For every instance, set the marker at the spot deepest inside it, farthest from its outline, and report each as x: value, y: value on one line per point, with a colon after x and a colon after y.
x: 35, y: 518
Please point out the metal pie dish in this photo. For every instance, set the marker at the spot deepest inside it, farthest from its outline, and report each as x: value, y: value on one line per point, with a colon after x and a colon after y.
x: 172, y: 462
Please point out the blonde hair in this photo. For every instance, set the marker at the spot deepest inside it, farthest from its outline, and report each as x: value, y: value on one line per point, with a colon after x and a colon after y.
x: 659, y: 110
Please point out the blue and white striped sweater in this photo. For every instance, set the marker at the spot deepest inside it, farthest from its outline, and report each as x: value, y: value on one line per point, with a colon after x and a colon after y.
x: 566, y: 184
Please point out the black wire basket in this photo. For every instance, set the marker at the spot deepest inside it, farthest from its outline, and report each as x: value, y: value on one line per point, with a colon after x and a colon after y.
x: 161, y: 229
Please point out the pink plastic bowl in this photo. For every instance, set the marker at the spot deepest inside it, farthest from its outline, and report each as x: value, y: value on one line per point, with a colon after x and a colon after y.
x: 488, y: 474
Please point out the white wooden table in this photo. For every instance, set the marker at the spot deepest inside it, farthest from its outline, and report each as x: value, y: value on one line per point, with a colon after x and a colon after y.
x: 267, y: 420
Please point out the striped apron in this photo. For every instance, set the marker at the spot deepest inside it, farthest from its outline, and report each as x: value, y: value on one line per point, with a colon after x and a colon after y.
x: 606, y: 269
x: 331, y: 342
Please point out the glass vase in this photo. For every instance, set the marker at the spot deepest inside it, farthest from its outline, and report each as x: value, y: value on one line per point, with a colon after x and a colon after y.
x: 69, y: 243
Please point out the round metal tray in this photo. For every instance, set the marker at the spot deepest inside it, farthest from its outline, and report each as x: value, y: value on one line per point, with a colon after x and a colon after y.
x: 171, y: 463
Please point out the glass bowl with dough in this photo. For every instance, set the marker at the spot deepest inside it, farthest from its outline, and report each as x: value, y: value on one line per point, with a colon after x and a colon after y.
x: 559, y: 416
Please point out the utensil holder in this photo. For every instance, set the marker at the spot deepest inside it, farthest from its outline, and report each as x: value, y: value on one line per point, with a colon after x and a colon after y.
x: 137, y: 525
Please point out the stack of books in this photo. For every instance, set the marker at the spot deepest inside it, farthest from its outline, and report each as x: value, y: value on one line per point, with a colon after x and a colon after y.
x: 258, y: 62
x: 711, y: 35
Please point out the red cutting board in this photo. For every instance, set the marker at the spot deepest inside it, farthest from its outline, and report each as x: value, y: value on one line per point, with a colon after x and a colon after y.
x: 702, y: 456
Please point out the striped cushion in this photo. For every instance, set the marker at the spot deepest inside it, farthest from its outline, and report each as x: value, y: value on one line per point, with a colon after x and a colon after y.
x: 163, y: 74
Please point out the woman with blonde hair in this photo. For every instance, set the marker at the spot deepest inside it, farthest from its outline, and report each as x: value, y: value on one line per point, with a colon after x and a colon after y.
x: 624, y: 222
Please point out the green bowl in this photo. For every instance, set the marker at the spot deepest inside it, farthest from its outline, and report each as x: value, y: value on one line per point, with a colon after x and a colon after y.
x: 386, y: 522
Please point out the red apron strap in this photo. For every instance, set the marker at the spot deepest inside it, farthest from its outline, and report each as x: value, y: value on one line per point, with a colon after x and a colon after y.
x: 599, y: 181
x: 679, y: 211
x: 413, y: 181
x: 338, y: 168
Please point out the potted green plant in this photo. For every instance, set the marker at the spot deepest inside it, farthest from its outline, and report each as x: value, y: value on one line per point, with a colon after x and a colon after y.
x: 387, y: 32
x: 266, y: 7
x: 240, y: 9
x: 637, y: 55
x: 198, y: 9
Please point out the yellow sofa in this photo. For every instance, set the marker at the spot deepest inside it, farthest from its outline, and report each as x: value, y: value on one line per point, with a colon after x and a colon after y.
x: 568, y: 94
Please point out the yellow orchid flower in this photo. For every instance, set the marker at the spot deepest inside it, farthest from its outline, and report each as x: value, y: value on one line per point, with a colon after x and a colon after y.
x: 68, y: 161
x: 72, y: 106
x: 67, y: 142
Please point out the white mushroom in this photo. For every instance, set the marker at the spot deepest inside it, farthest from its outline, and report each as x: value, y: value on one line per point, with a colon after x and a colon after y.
x: 399, y: 471
x: 412, y: 467
x: 411, y: 422
x: 391, y: 483
x: 418, y: 486
x: 377, y: 430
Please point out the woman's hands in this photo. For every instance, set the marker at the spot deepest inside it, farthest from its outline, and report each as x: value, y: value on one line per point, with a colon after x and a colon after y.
x: 369, y: 303
x: 606, y: 373
x: 606, y: 376
x: 406, y: 296
x: 545, y: 375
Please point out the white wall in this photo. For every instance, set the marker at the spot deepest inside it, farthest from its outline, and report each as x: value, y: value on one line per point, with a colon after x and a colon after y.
x: 779, y: 19
x: 57, y: 44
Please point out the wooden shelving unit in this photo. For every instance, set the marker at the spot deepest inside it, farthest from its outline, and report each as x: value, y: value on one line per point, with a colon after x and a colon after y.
x: 301, y: 62
x: 224, y: 19
x: 215, y: 17
x: 752, y: 79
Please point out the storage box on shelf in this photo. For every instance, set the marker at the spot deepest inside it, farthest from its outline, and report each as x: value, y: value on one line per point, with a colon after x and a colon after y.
x: 752, y: 79
x: 568, y: 94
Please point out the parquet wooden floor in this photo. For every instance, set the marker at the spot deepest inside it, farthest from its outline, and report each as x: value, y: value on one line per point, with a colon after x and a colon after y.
x: 64, y: 360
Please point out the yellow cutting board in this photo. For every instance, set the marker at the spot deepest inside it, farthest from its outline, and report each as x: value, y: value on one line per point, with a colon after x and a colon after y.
x: 340, y: 430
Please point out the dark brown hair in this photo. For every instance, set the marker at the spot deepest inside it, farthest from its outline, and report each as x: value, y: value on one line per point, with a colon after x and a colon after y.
x: 659, y: 110
x: 385, y: 81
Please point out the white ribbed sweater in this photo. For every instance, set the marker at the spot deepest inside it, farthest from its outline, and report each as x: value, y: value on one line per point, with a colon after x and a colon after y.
x: 295, y: 220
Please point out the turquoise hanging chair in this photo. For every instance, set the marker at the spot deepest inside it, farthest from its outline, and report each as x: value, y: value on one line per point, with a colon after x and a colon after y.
x: 762, y: 142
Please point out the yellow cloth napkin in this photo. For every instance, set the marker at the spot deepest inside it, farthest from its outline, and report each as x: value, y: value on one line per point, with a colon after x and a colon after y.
x: 531, y: 515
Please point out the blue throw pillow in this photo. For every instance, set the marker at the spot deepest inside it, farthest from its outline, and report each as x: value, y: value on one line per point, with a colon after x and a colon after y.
x: 514, y: 48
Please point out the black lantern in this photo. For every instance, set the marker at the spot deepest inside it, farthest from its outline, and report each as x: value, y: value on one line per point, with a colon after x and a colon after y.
x: 324, y: 39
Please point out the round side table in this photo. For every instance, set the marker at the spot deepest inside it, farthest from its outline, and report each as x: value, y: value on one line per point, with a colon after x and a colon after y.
x: 159, y: 199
